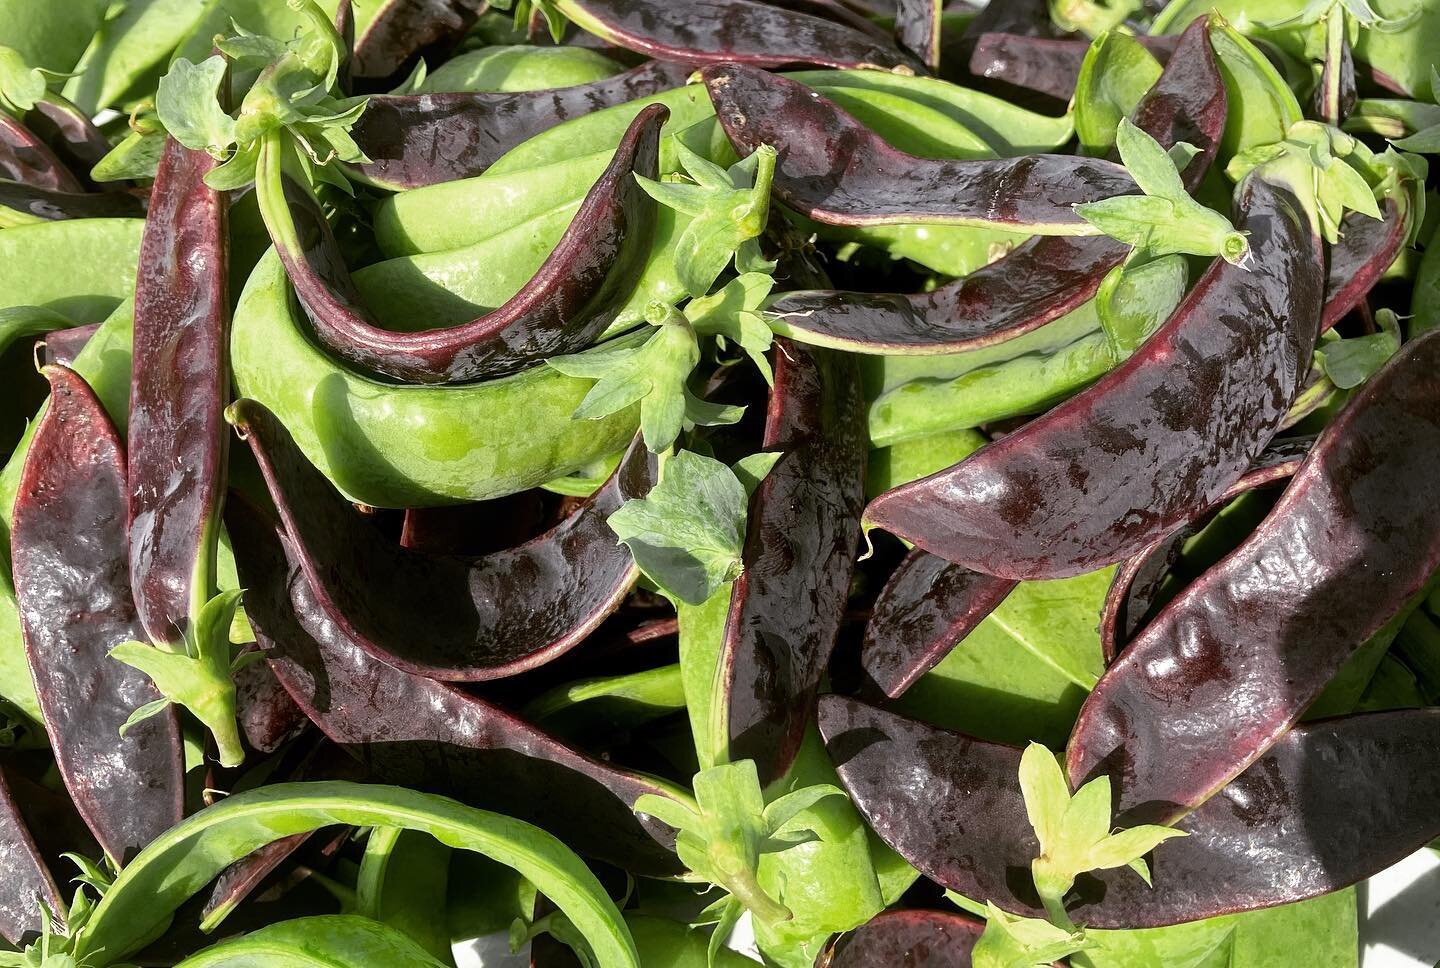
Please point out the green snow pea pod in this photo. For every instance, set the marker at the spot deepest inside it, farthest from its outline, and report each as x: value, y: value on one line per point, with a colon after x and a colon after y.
x: 402, y: 883
x: 130, y: 51
x: 144, y: 896
x: 1007, y: 128
x: 410, y: 446
x: 81, y: 268
x: 1261, y: 105
x: 924, y: 130
x: 1115, y: 75
x: 910, y: 460
x: 325, y: 941
x: 628, y: 699
x: 49, y: 34
x: 520, y: 68
x: 1031, y: 382
x: 1405, y: 55
x: 661, y: 941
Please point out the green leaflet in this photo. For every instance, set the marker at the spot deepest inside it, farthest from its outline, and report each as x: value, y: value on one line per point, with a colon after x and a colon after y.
x: 402, y: 884
x: 1013, y: 942
x: 177, y: 865
x: 1092, y: 17
x: 334, y: 941
x: 1116, y: 74
x: 187, y: 102
x: 624, y: 700
x: 1350, y: 362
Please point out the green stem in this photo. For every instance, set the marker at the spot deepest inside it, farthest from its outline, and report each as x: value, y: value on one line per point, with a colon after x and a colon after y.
x: 1334, y: 56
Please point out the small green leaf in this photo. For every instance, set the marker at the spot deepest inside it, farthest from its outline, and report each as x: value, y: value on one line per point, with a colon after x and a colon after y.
x: 1047, y: 795
x: 145, y: 712
x: 1127, y: 846
x: 754, y: 468
x: 1350, y: 362
x: 187, y: 101
x: 688, y: 532
x: 137, y: 156
x: 236, y: 173
x: 1013, y: 942
x: 1149, y: 164
x: 780, y: 811
x: 20, y: 84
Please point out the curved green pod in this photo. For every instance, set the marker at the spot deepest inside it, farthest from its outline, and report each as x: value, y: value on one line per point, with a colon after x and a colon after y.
x: 520, y: 68
x: 38, y: 265
x: 327, y: 941
x: 410, y: 446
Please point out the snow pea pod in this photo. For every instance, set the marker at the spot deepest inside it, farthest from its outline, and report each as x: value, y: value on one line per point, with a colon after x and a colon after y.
x: 732, y: 31
x: 27, y: 159
x: 70, y: 134
x: 37, y: 263
x: 1032, y: 382
x: 389, y: 33
x: 916, y: 939
x: 22, y: 204
x: 1045, y: 64
x: 179, y: 383
x: 413, y: 731
x: 402, y: 883
x: 410, y: 446
x: 131, y: 47
x: 483, y: 617
x: 834, y: 170
x: 50, y: 35
x: 69, y: 519
x: 1329, y: 805
x: 26, y: 879
x: 520, y: 68
x: 571, y: 300
x: 1232, y: 663
x: 1161, y: 436
x: 317, y: 942
x: 1262, y: 106
x: 146, y: 893
x: 1366, y: 249
x: 424, y: 139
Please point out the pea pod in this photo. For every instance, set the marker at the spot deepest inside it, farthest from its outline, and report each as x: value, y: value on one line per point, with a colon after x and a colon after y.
x: 1366, y: 249
x: 439, y: 444
x: 1355, y: 536
x: 402, y: 883
x: 414, y: 731
x: 69, y: 518
x: 50, y: 36
x: 1038, y: 281
x: 1045, y: 64
x: 485, y: 617
x: 424, y: 139
x: 520, y: 68
x: 131, y: 47
x: 145, y: 894
x: 70, y: 133
x: 1262, y: 105
x: 1282, y: 831
x: 35, y: 264
x: 322, y: 941
x: 917, y: 939
x: 22, y: 204
x: 389, y: 33
x: 834, y: 170
x: 25, y: 158
x: 1156, y: 455
x: 1116, y: 73
x: 27, y: 881
x: 917, y: 29
x: 732, y: 31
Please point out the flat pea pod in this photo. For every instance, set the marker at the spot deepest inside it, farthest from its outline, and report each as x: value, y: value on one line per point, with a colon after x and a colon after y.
x: 411, y: 446
x: 909, y: 460
x: 1261, y: 105
x: 923, y: 130
x: 105, y: 365
x: 633, y: 698
x: 1405, y: 55
x: 1116, y: 73
x: 327, y: 941
x: 403, y: 882
x: 139, y: 904
x: 1008, y: 129
x: 520, y: 68
x: 39, y: 263
x: 128, y: 49
x: 1034, y: 382
x: 48, y: 34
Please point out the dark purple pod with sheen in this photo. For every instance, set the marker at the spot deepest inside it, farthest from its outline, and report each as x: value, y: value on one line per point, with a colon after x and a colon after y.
x: 917, y: 29
x: 1229, y: 665
x: 1138, y: 580
x: 25, y: 881
x: 25, y: 158
x: 56, y: 206
x: 1331, y: 804
x: 449, y: 617
x: 1366, y: 249
x: 240, y: 879
x: 799, y: 555
x: 422, y: 139
x: 400, y: 29
x: 63, y: 345
x: 72, y: 588
x: 179, y: 383
x: 267, y: 715
x: 1155, y: 441
x: 416, y: 732
x: 1048, y: 65
x: 70, y: 133
x: 1043, y: 278
x: 732, y: 31
x: 572, y: 298
x: 836, y: 171
x: 925, y: 609
x: 912, y: 939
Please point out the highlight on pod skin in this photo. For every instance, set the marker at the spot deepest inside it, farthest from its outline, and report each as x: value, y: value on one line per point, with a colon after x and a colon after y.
x: 718, y: 483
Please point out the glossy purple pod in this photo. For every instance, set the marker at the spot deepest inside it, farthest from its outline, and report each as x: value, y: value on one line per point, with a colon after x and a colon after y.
x: 569, y: 302
x: 1228, y: 666
x: 449, y: 617
x: 70, y: 133
x: 25, y: 880
x: 63, y: 345
x: 1331, y: 804
x: 836, y: 171
x: 697, y: 32
x: 401, y: 29
x: 922, y: 613
x: 1049, y: 65
x: 268, y: 717
x: 1162, y: 436
x: 1367, y: 248
x: 1334, y: 96
x: 27, y: 159
x: 416, y: 732
x: 422, y: 139
x: 908, y: 938
x: 799, y: 555
x: 240, y: 879
x: 179, y: 383
x: 72, y: 588
x: 54, y: 206
x: 917, y: 30
x: 1043, y: 278
x: 1138, y: 579
x: 839, y: 11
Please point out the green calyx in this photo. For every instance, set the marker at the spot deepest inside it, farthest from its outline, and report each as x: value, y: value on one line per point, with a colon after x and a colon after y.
x: 723, y: 833
x: 200, y: 677
x: 728, y: 209
x: 1165, y: 219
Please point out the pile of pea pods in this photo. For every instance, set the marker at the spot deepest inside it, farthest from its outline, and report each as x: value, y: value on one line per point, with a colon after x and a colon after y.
x: 678, y: 483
